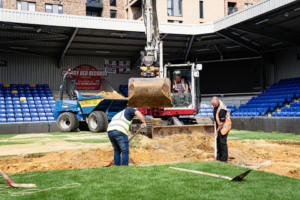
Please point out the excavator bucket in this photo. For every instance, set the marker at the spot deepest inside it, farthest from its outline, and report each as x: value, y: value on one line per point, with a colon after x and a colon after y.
x: 149, y: 93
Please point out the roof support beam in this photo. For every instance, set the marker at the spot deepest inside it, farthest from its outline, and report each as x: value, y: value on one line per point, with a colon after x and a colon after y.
x: 266, y: 34
x: 221, y: 55
x: 189, y: 48
x: 239, y: 41
x: 73, y: 33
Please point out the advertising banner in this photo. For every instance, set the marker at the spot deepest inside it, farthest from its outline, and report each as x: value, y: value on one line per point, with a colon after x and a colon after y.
x: 87, y: 77
x: 117, y: 67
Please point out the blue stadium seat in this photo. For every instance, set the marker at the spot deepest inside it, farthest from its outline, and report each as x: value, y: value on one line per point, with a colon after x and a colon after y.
x: 45, y: 102
x: 26, y: 115
x: 25, y: 110
x: 18, y: 115
x: 34, y: 115
x: 2, y: 120
x: 19, y: 120
x: 37, y: 102
x: 48, y: 95
x: 14, y: 95
x: 1, y: 95
x: 2, y: 98
x: 35, y: 119
x: 8, y: 99
x: 9, y: 110
x: 33, y: 110
x: 2, y: 115
x: 2, y: 102
x: 2, y: 106
x: 43, y: 119
x: 8, y: 102
x: 48, y: 110
x: 44, y: 99
x: 40, y: 110
x: 27, y: 95
x: 31, y: 103
x: 42, y: 115
x: 46, y: 106
x: 17, y: 107
x: 36, y: 95
x: 37, y: 98
x: 33, y: 92
x: 53, y: 109
x: 42, y: 95
x: 16, y: 99
x: 51, y: 115
x: 9, y: 107
x: 17, y: 111
x: 51, y: 119
x: 30, y: 99
x: 27, y: 119
x: 25, y: 106
x: 45, y: 86
x: 50, y: 99
x: 11, y: 120
x: 10, y: 115
x: 39, y: 106
x: 32, y: 106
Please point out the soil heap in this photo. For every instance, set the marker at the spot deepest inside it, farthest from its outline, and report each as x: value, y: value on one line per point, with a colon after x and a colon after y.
x: 112, y: 95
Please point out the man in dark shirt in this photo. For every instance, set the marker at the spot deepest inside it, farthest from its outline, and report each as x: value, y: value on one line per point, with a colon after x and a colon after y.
x: 222, y: 149
x: 118, y: 133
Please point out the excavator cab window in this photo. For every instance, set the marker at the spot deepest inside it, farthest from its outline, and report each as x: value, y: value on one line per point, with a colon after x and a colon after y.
x: 181, y: 86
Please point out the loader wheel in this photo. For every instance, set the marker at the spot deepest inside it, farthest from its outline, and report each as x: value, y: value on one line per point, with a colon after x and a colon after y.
x: 97, y: 122
x: 67, y: 122
x: 83, y: 126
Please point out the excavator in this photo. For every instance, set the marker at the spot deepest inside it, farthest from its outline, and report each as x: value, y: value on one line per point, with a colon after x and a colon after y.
x: 167, y: 110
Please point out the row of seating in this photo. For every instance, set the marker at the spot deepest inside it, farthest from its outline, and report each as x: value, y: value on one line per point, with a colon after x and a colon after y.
x: 204, y: 115
x: 291, y: 109
x: 27, y: 119
x: 286, y: 114
x: 281, y: 96
x: 248, y: 114
x: 211, y: 110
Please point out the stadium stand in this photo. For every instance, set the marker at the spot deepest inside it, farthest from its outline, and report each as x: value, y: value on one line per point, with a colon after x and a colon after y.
x: 26, y: 103
x: 207, y: 111
x: 124, y: 90
x: 279, y: 100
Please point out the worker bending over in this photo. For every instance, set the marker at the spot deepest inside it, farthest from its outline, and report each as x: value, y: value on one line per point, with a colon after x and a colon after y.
x: 223, y: 123
x: 118, y: 133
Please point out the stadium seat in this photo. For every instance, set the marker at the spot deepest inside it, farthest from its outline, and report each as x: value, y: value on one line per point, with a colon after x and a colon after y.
x: 26, y: 115
x: 17, y: 107
x: 37, y: 98
x: 42, y: 115
x: 49, y: 115
x: 25, y: 106
x: 2, y: 106
x: 19, y: 120
x: 9, y: 110
x: 10, y: 115
x: 35, y: 119
x: 27, y: 119
x: 31, y: 103
x: 34, y: 115
x: 43, y: 119
x: 39, y: 106
x: 32, y: 110
x: 2, y: 115
x: 8, y: 99
x: 44, y: 99
x: 40, y: 110
x: 50, y: 99
x: 48, y: 110
x: 18, y: 115
x: 46, y: 106
x: 2, y: 102
x: 17, y: 111
x: 45, y: 102
x: 11, y: 120
x: 9, y: 106
x: 51, y: 119
x: 30, y: 99
x: 2, y: 120
x: 31, y: 106
x: 36, y: 95
x: 37, y: 102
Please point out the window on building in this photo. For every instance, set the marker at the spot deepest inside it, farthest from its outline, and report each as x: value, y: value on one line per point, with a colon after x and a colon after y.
x: 175, y: 8
x: 113, y: 2
x: 248, y: 5
x: 201, y: 9
x: 53, y: 9
x: 27, y: 6
x: 113, y: 14
x: 92, y: 14
x: 175, y: 21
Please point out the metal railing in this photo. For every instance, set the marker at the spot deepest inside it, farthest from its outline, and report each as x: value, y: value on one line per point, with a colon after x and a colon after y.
x: 137, y: 15
x: 232, y: 10
x: 95, y: 1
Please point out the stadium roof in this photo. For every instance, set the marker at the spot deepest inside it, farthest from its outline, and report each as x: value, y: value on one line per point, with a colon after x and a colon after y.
x: 267, y: 26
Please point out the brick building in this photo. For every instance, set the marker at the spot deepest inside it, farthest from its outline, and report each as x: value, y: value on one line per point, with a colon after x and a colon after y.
x: 95, y: 8
x: 188, y: 11
x: 173, y: 11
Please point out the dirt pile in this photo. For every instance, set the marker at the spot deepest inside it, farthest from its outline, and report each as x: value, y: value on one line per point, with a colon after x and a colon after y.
x: 112, y: 95
x: 177, y: 148
x: 280, y: 157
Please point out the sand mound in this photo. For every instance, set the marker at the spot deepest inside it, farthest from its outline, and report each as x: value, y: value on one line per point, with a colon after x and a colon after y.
x: 113, y: 95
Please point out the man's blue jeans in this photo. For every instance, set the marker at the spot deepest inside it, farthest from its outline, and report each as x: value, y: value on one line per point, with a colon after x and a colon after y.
x: 121, y: 144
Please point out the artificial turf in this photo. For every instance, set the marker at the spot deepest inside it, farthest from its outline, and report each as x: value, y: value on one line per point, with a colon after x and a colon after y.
x: 156, y: 182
